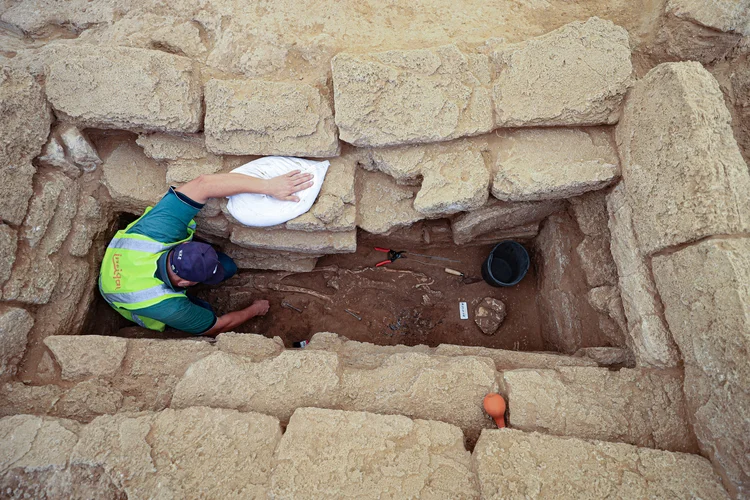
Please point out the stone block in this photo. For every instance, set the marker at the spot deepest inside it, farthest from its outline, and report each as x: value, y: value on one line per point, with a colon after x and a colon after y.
x: 17, y: 398
x: 255, y: 117
x: 382, y: 205
x: 53, y: 156
x: 182, y: 171
x: 275, y: 386
x: 335, y: 209
x: 87, y: 400
x: 78, y: 481
x: 125, y: 88
x: 15, y: 324
x: 82, y: 356
x: 160, y: 146
x: 704, y: 289
x: 32, y: 16
x: 417, y: 385
x: 690, y: 183
x: 513, y: 360
x: 252, y: 346
x: 608, y: 356
x: 640, y: 407
x: 51, y: 212
x: 649, y: 338
x: 269, y: 259
x: 32, y: 442
x: 134, y: 181
x: 722, y: 16
x: 575, y: 75
x: 319, y: 242
x: 411, y: 96
x: 196, y: 452
x: 32, y: 280
x: 90, y: 220
x: 546, y: 164
x: 341, y: 454
x: 500, y: 216
x: 355, y: 354
x: 24, y: 129
x: 596, y: 261
x: 78, y: 148
x: 515, y: 464
x: 8, y: 245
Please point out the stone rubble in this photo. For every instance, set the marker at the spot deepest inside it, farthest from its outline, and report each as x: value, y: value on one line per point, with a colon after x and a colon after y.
x: 489, y: 315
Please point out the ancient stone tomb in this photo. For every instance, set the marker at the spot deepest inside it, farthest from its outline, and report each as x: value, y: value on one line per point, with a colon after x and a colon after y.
x: 630, y: 194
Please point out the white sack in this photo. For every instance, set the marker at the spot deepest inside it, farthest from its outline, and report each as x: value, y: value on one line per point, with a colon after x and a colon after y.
x: 261, y: 210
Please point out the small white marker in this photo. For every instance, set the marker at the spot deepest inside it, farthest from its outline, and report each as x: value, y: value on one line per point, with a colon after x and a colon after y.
x: 463, y: 310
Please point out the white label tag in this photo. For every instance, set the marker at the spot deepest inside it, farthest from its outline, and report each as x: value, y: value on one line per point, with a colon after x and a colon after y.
x: 463, y: 310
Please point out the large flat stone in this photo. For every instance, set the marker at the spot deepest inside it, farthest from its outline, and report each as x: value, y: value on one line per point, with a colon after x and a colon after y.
x: 246, y: 258
x: 499, y: 215
x: 15, y: 324
x: 383, y: 205
x: 546, y: 164
x: 88, y: 355
x: 640, y: 407
x: 195, y: 452
x: 575, y: 75
x: 691, y: 182
x: 721, y: 16
x: 335, y: 209
x: 341, y: 454
x: 411, y: 96
x: 134, y: 180
x: 706, y: 299
x: 316, y: 243
x: 355, y: 354
x: 32, y: 16
x: 255, y: 117
x: 418, y: 385
x: 32, y: 442
x: 649, y: 338
x: 515, y: 464
x: 125, y: 88
x: 513, y: 360
x: 24, y: 129
x: 161, y: 146
x: 275, y: 386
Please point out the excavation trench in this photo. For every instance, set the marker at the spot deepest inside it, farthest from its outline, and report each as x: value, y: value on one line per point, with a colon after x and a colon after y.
x: 410, y: 301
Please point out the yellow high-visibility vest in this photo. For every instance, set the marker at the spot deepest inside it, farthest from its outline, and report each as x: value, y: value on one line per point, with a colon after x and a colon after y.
x: 126, y: 278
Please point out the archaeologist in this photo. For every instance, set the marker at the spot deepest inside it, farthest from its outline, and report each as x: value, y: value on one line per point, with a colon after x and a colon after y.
x: 149, y: 265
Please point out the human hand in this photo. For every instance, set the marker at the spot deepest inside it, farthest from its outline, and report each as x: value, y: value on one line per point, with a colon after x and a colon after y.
x: 259, y: 307
x: 285, y: 186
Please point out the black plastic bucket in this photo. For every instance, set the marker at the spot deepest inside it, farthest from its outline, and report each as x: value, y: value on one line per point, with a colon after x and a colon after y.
x: 507, y: 264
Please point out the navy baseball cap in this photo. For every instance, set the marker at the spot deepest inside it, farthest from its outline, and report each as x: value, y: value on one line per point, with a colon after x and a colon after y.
x: 195, y: 261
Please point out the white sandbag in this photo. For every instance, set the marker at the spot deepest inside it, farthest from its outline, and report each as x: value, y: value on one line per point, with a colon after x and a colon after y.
x: 260, y: 210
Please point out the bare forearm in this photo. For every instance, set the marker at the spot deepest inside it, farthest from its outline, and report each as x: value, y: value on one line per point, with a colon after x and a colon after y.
x: 228, y: 322
x: 221, y: 185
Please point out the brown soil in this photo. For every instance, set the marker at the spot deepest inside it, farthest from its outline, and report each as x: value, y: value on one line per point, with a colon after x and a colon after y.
x: 407, y: 302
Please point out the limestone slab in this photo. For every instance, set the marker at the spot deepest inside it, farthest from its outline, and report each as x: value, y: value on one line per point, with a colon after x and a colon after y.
x: 134, y: 181
x: 125, y: 88
x: 706, y: 299
x: 319, y: 242
x: 640, y: 407
x: 341, y: 454
x: 512, y: 360
x: 195, y: 452
x: 255, y: 117
x: 335, y: 208
x: 684, y: 175
x: 649, y: 337
x: 32, y: 16
x: 545, y: 164
x: 8, y: 245
x: 15, y: 324
x: 246, y: 258
x: 254, y: 347
x: 515, y: 464
x: 722, y: 16
x: 499, y: 215
x: 81, y: 356
x: 275, y: 386
x: 418, y: 385
x: 411, y: 96
x: 161, y: 146
x: 358, y: 354
x: 24, y: 129
x: 575, y: 75
x: 32, y: 442
x: 383, y: 205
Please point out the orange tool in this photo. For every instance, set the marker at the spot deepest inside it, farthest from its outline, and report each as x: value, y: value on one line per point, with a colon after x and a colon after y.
x: 494, y: 405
